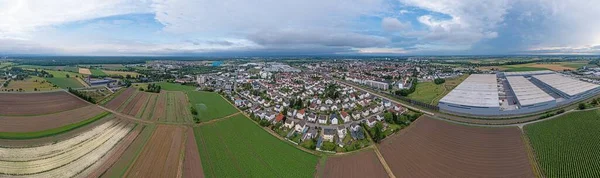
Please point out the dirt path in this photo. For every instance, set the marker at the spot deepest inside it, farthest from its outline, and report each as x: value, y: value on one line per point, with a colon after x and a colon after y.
x: 217, y: 120
x: 383, y: 163
x: 85, y: 84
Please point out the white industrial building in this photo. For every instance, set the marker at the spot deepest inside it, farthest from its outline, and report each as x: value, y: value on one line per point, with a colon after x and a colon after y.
x: 529, y: 96
x: 566, y: 87
x: 476, y: 95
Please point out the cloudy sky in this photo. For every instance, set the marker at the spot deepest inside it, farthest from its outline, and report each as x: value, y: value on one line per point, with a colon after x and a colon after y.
x: 299, y: 27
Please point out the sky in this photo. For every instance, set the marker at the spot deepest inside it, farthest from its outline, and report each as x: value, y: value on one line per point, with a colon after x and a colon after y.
x: 299, y: 27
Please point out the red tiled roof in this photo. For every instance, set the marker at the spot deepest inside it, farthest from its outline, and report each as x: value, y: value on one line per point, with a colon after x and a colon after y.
x: 279, y: 117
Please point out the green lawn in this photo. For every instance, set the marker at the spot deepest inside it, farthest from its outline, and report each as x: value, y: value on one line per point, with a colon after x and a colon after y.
x: 521, y: 68
x: 50, y: 132
x: 236, y: 147
x: 175, y: 87
x: 210, y: 105
x: 567, y: 146
x: 65, y: 82
x: 426, y: 92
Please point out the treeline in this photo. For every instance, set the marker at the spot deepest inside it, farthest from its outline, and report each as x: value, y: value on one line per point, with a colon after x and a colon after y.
x: 82, y: 95
x: 154, y: 88
x: 438, y: 81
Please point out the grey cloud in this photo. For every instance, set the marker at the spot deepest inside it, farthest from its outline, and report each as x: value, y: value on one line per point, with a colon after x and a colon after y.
x: 293, y: 37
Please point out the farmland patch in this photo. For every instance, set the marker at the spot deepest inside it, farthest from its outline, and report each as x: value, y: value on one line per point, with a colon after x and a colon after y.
x: 362, y: 164
x: 38, y: 103
x: 164, y: 147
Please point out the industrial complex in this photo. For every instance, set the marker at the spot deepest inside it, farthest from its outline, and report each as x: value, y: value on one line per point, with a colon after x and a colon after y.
x: 515, y: 93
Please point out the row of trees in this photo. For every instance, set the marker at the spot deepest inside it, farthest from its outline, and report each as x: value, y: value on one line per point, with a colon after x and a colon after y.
x: 406, y: 92
x: 82, y: 95
x: 154, y: 88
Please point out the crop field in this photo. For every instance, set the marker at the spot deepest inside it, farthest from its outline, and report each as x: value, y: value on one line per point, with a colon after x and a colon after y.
x: 117, y: 101
x: 53, y: 131
x: 67, y: 158
x: 237, y: 147
x: 113, y: 66
x: 176, y: 87
x: 210, y: 105
x: 177, y: 107
x: 192, y: 167
x: 97, y: 72
x: 164, y: 147
x: 119, y: 168
x: 361, y: 164
x: 121, y: 73
x: 434, y: 148
x: 85, y: 71
x: 567, y: 146
x: 45, y: 122
x: 22, y: 104
x: 555, y: 66
x: 30, y: 84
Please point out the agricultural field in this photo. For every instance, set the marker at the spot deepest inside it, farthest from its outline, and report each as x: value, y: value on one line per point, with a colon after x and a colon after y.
x: 567, y: 146
x: 210, y: 105
x: 555, y: 66
x: 192, y: 166
x: 113, y: 67
x: 97, y: 72
x: 164, y: 147
x: 118, y: 100
x: 176, y: 87
x: 49, y: 121
x: 74, y: 157
x: 5, y: 64
x: 121, y: 73
x: 60, y: 79
x: 85, y: 71
x: 237, y: 147
x: 30, y: 84
x: 97, y: 93
x: 21, y: 104
x: 178, y: 108
x: 429, y: 92
x: 361, y: 164
x: 434, y: 148
x: 126, y: 159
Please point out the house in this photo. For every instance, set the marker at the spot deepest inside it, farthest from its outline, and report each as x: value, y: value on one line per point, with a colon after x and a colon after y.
x: 374, y: 109
x: 278, y: 108
x: 256, y: 109
x: 345, y: 116
x: 279, y: 117
x: 398, y: 108
x: 300, y: 114
x: 322, y: 119
x: 356, y: 132
x: 288, y: 123
x: 270, y: 117
x: 312, y: 117
x: 310, y: 134
x: 365, y: 113
x: 291, y: 113
x: 334, y: 118
x: 300, y: 126
x: 341, y: 131
x: 356, y: 115
x: 334, y: 108
x: 239, y: 102
x: 328, y: 101
x: 379, y: 117
x: 313, y: 106
x: 387, y: 103
x: 328, y: 134
x: 371, y: 122
x: 324, y: 108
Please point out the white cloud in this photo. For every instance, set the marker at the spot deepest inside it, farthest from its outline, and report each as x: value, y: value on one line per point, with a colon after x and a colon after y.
x: 19, y: 18
x: 393, y: 24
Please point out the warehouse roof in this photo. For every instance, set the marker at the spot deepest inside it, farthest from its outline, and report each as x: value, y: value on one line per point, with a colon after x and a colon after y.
x: 478, y: 90
x: 539, y: 72
x: 567, y: 85
x: 527, y: 93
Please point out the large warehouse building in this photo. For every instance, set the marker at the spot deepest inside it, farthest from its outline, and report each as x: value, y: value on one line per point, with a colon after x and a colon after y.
x: 566, y: 87
x: 515, y: 93
x: 476, y: 95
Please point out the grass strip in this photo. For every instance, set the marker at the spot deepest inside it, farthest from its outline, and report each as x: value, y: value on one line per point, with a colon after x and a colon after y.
x: 50, y: 132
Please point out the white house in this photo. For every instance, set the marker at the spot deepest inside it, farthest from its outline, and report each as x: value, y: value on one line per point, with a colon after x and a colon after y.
x: 341, y: 131
x: 334, y: 108
x: 300, y: 114
x: 324, y: 108
x: 365, y: 113
x: 379, y: 117
x: 312, y: 117
x: 322, y: 119
x: 371, y: 122
x: 300, y: 126
x: 288, y: 123
x: 356, y: 115
x: 334, y: 121
x: 328, y: 101
x: 345, y: 116
x: 328, y: 134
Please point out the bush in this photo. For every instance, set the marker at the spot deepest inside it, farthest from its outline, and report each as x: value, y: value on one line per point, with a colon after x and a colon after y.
x: 582, y: 106
x: 438, y: 81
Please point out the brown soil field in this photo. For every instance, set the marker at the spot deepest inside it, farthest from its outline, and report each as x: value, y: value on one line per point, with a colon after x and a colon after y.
x: 434, y: 148
x: 52, y: 139
x: 113, y: 156
x: 128, y: 105
x: 45, y: 122
x: 85, y: 71
x: 161, y: 105
x: 192, y: 166
x: 149, y: 111
x: 164, y: 147
x: 361, y: 164
x: 554, y: 67
x: 182, y: 108
x: 136, y: 104
x: 38, y: 103
x: 116, y: 102
x: 119, y: 168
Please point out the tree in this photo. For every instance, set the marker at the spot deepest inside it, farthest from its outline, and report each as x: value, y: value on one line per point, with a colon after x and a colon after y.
x: 67, y: 75
x: 377, y: 133
x: 581, y: 106
x: 438, y: 81
x: 193, y: 110
x: 388, y: 116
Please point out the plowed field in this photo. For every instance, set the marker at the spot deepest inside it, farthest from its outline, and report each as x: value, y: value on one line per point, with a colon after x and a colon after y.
x: 433, y: 148
x: 45, y: 122
x: 161, y: 155
x: 119, y: 100
x: 362, y: 164
x: 38, y: 103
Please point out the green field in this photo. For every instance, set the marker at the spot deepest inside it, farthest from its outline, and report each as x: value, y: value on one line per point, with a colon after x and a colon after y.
x: 97, y: 72
x: 426, y: 92
x: 236, y: 147
x: 567, y: 146
x: 60, y: 79
x: 210, y: 105
x: 522, y: 69
x: 175, y: 87
x: 50, y: 132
